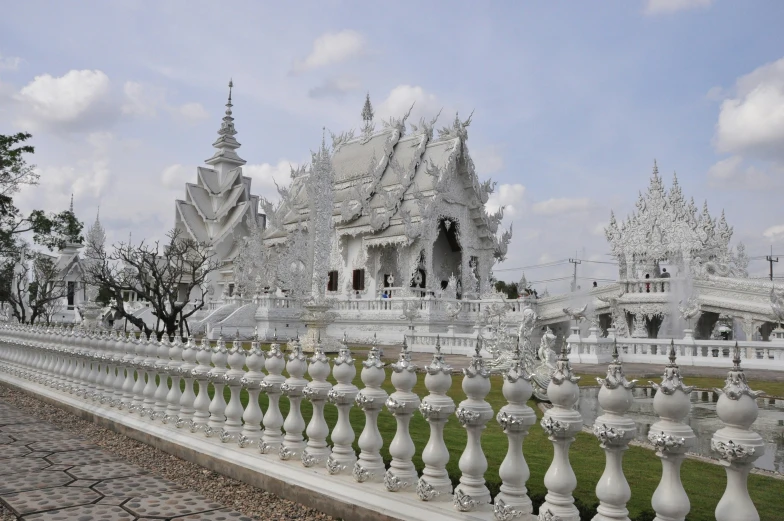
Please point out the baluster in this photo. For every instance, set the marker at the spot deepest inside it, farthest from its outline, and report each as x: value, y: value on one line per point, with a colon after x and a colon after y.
x: 162, y: 372
x: 316, y: 450
x: 561, y: 423
x: 201, y: 373
x: 436, y: 408
x: 120, y: 354
x: 402, y: 474
x: 175, y: 393
x: 473, y: 413
x: 232, y: 429
x: 342, y: 395
x: 736, y: 444
x: 218, y: 404
x: 671, y: 438
x: 149, y: 365
x: 297, y: 365
x: 139, y: 383
x: 370, y: 465
x: 614, y: 430
x: 272, y: 438
x: 251, y: 429
x: 515, y: 419
x: 187, y: 398
x: 108, y: 375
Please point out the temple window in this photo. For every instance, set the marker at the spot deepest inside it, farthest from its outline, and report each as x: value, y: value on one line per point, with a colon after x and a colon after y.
x: 332, y: 282
x: 71, y: 292
x: 358, y: 282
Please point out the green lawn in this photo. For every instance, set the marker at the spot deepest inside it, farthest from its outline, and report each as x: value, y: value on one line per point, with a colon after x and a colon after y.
x: 704, y: 482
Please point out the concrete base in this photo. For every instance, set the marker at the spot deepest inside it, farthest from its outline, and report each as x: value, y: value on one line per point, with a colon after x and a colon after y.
x: 338, y: 496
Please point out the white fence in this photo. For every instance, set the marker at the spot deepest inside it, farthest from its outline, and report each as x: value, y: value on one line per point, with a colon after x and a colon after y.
x: 137, y: 384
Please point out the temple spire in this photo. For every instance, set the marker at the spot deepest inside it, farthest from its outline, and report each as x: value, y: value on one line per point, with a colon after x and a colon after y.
x: 367, y: 111
x: 70, y: 208
x: 225, y: 157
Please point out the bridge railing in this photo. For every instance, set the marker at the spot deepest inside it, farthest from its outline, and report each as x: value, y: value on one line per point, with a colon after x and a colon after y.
x: 138, y: 382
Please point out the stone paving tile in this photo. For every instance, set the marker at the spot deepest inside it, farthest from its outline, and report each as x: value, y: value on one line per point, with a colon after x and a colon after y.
x: 49, y: 498
x: 4, y: 439
x: 62, y: 445
x: 172, y: 504
x: 82, y: 457
x: 113, y: 500
x: 83, y: 483
x: 34, y: 436
x: 84, y: 513
x: 224, y: 514
x: 102, y: 471
x: 32, y: 480
x: 38, y: 454
x: 17, y: 465
x: 14, y: 451
x: 136, y: 486
x: 58, y: 467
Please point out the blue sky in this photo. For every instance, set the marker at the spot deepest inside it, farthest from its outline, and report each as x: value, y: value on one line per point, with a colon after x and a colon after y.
x: 572, y: 102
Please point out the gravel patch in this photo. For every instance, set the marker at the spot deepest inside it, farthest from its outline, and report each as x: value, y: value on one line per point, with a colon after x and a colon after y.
x: 248, y: 500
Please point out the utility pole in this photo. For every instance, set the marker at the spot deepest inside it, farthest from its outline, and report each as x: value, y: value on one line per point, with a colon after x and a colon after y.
x: 771, y: 260
x: 574, y: 279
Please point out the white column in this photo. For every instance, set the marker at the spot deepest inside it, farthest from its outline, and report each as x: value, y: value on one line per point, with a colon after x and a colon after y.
x: 188, y: 396
x: 436, y: 408
x: 272, y: 438
x: 615, y: 430
x: 233, y: 378
x: 201, y: 405
x: 736, y: 445
x: 139, y: 383
x: 162, y: 371
x: 473, y: 413
x: 342, y: 395
x: 317, y: 451
x: 175, y: 392
x: 220, y: 356
x: 251, y: 429
x: 370, y: 465
x: 151, y: 352
x: 515, y: 419
x: 672, y: 438
x: 562, y: 423
x: 402, y: 474
x: 297, y: 366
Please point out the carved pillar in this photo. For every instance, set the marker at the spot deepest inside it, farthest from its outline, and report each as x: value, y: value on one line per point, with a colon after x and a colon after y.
x: 473, y: 413
x: 273, y: 419
x: 342, y: 395
x: 317, y: 450
x: 201, y: 404
x: 217, y: 409
x: 188, y: 396
x: 370, y: 465
x: 251, y: 427
x: 233, y: 378
x: 402, y: 404
x: 297, y: 365
x: 672, y: 438
x: 175, y: 393
x: 736, y: 445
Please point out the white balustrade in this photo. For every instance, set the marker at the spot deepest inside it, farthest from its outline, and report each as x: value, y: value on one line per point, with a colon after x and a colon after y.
x: 316, y: 450
x: 736, y: 445
x: 473, y: 413
x: 220, y: 357
x: 614, y: 430
x: 297, y: 365
x: 515, y: 418
x: 139, y: 382
x: 561, y: 423
x: 436, y: 408
x: 402, y: 474
x: 342, y: 395
x: 272, y: 437
x: 201, y: 373
x: 162, y: 374
x: 185, y: 414
x: 251, y: 428
x: 173, y: 397
x: 149, y: 369
x: 232, y: 428
x: 672, y: 438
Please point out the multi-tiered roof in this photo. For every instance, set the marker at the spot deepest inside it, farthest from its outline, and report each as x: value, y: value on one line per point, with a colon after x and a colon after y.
x: 217, y: 206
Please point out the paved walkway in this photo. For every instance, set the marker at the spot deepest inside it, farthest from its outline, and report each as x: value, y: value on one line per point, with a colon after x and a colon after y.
x: 47, y: 474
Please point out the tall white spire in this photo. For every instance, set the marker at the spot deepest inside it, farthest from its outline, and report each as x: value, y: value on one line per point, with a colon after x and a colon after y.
x: 225, y: 157
x: 96, y: 235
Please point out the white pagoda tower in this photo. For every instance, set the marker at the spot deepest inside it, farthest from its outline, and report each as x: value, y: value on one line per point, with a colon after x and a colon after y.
x: 219, y: 206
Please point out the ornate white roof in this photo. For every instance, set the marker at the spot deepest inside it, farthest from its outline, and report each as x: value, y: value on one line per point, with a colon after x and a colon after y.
x: 665, y: 226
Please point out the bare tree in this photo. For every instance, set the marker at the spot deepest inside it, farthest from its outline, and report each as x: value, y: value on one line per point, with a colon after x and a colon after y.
x: 168, y: 276
x: 32, y: 286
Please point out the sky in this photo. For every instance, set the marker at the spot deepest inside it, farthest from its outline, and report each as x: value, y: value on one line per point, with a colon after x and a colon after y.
x: 571, y: 101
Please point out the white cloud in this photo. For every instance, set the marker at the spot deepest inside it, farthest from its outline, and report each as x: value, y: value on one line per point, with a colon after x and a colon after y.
x: 331, y: 48
x: 334, y: 88
x: 9, y: 63
x: 488, y: 160
x: 599, y: 229
x: 562, y: 205
x: 265, y: 176
x: 511, y: 196
x: 753, y: 121
x: 65, y: 100
x: 141, y: 100
x: 733, y: 173
x: 175, y: 176
x: 402, y: 97
x: 192, y: 112
x: 654, y: 7
x: 774, y: 233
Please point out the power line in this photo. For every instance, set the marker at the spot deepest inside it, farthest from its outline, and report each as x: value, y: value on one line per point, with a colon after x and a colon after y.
x: 534, y: 266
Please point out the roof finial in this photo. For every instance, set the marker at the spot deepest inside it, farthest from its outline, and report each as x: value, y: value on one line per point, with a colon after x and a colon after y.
x: 231, y: 84
x: 70, y: 209
x: 367, y: 110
